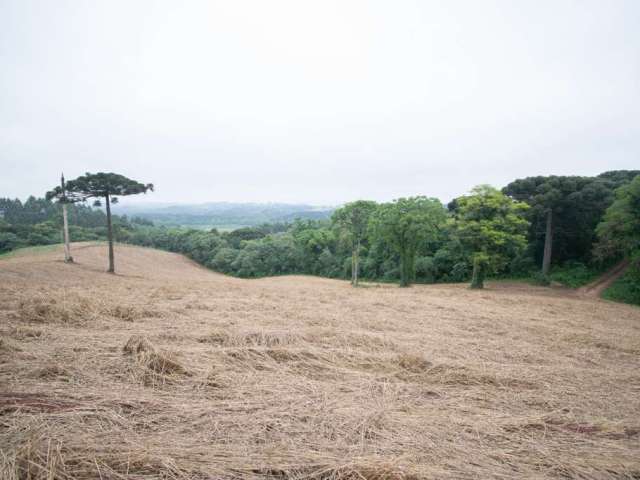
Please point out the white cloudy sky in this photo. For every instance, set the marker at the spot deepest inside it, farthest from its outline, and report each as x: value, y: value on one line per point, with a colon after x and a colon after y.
x: 316, y: 101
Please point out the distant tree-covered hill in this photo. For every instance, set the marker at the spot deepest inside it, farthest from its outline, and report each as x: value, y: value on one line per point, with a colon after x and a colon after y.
x: 224, y: 215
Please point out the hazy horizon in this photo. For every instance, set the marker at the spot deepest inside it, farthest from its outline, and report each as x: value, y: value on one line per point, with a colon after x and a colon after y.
x: 316, y: 102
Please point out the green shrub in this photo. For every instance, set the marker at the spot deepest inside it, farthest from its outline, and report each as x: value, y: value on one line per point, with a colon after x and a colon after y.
x: 538, y: 278
x: 224, y: 260
x: 9, y: 241
x: 626, y: 288
x: 522, y: 266
x: 425, y: 269
x: 460, y: 272
x: 574, y: 274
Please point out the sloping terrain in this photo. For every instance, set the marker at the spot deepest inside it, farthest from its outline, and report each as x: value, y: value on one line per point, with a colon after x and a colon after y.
x: 168, y: 370
x: 600, y: 284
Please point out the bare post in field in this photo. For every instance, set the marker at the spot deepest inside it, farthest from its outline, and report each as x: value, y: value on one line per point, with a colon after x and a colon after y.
x: 112, y: 268
x: 65, y: 225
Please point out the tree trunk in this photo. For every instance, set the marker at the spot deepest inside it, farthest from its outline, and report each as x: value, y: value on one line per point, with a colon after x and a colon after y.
x: 357, y: 264
x: 65, y: 232
x: 477, y: 278
x: 112, y: 268
x: 548, y: 243
x: 353, y: 266
x: 404, y: 269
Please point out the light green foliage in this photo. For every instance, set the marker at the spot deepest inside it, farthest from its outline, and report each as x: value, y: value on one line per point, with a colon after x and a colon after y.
x: 352, y: 221
x: 223, y: 260
x: 406, y: 223
x: 627, y: 287
x: 619, y: 231
x: 311, y: 239
x: 491, y: 228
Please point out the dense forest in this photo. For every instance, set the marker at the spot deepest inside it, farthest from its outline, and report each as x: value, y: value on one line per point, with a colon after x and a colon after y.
x: 578, y: 225
x: 39, y: 222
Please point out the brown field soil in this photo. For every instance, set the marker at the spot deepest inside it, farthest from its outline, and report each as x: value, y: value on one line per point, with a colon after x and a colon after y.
x: 168, y: 370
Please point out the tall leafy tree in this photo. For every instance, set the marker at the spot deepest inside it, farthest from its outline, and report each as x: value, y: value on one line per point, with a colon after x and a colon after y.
x: 312, y: 237
x: 619, y: 231
x: 353, y: 221
x: 406, y: 223
x: 491, y: 228
x: 105, y: 187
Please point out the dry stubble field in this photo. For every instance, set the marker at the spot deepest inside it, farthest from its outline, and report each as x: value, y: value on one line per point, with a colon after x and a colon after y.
x: 168, y: 370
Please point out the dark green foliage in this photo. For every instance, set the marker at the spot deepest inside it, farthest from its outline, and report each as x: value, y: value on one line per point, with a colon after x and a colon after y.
x: 9, y: 241
x: 101, y: 185
x: 223, y: 260
x: 619, y: 231
x: 626, y: 288
x: 236, y: 237
x: 407, y: 240
x: 522, y: 265
x: 618, y: 178
x: 405, y: 225
x: 459, y: 272
x: 577, y: 205
x: 38, y: 222
x: 273, y: 255
x: 539, y: 278
x: 576, y: 274
x: 308, y: 247
x: 450, y: 262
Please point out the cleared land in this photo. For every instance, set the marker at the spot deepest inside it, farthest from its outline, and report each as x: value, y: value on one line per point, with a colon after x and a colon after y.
x: 168, y: 370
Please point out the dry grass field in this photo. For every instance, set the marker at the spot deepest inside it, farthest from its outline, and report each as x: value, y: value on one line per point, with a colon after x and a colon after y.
x: 170, y: 371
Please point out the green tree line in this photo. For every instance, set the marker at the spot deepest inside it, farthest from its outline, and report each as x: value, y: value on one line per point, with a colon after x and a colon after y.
x: 568, y: 228
x: 489, y: 231
x: 38, y: 221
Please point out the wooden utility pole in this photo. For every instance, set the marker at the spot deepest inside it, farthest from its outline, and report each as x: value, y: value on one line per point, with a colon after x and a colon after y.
x: 65, y: 223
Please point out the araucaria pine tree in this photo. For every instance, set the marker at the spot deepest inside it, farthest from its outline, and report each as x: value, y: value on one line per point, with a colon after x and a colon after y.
x: 107, y: 187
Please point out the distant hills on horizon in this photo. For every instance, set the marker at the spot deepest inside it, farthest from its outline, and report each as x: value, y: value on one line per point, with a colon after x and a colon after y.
x: 223, y: 215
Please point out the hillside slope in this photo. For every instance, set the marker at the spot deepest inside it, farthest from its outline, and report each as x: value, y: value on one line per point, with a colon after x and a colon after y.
x: 168, y: 370
x: 600, y: 284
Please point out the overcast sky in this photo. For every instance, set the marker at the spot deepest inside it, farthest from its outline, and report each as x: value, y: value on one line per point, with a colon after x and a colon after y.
x: 316, y: 101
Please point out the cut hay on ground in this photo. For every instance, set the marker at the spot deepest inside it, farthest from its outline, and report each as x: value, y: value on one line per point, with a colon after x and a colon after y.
x: 169, y: 371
